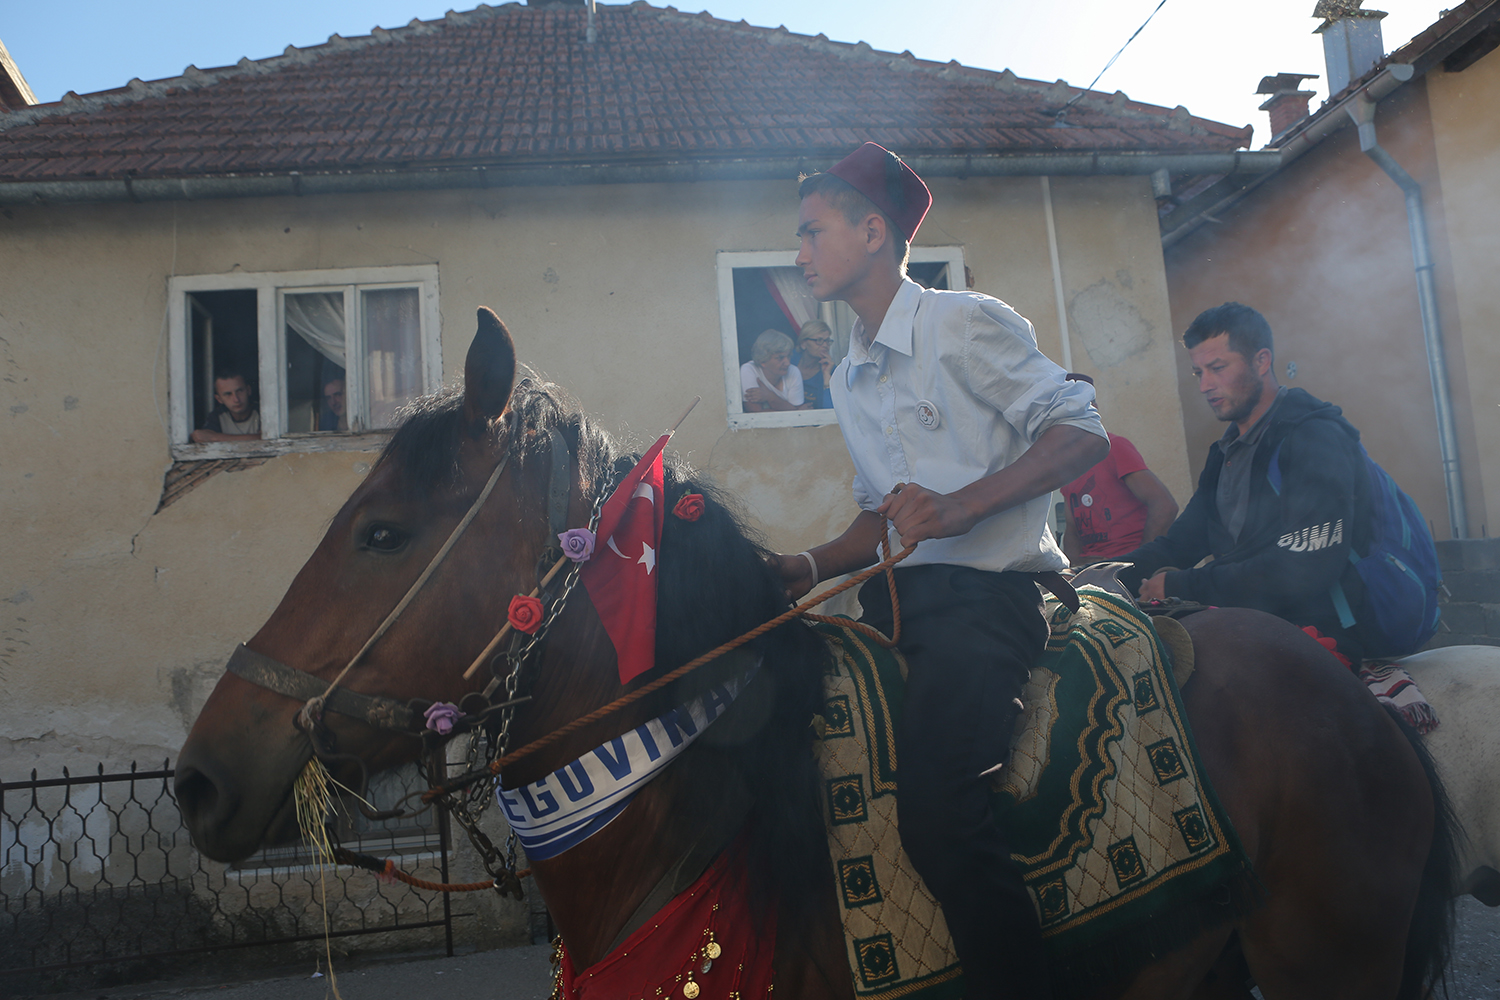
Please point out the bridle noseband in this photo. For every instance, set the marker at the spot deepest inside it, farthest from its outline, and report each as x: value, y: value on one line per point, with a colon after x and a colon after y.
x: 273, y: 675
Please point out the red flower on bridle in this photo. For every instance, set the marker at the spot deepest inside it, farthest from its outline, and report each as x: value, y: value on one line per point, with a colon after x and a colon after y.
x: 525, y: 614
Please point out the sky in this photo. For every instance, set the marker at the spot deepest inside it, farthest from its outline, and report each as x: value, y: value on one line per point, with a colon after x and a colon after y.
x: 1208, y: 55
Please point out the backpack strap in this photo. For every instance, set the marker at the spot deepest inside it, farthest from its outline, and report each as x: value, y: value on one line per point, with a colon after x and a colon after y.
x: 1341, y: 605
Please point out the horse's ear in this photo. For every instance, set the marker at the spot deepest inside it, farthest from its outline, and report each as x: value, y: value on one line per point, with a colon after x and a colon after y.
x: 489, y: 369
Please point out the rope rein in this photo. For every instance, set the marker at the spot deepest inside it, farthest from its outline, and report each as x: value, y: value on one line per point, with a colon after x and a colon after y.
x: 388, y: 869
x: 623, y: 701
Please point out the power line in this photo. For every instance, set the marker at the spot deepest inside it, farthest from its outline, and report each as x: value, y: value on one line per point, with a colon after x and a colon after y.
x: 1112, y: 59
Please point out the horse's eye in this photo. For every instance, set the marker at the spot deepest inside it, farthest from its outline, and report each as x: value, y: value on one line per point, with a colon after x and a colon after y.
x: 384, y: 538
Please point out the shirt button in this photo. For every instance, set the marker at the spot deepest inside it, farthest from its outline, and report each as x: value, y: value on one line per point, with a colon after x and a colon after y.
x: 883, y: 378
x: 890, y: 430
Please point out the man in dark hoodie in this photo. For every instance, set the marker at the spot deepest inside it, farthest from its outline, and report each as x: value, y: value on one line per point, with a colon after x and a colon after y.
x: 1277, y: 546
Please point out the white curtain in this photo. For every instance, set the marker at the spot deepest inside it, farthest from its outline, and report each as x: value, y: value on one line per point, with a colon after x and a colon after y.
x: 393, y: 332
x: 318, y: 317
x: 790, y: 288
x: 840, y: 319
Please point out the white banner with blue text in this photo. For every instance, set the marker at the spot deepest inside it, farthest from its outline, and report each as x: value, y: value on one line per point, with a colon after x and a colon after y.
x: 576, y: 801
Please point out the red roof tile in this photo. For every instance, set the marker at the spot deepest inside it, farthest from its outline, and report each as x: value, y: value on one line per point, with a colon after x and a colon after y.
x: 518, y: 85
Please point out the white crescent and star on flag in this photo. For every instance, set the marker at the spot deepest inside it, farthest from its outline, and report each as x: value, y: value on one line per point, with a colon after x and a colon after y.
x: 623, y: 586
x: 648, y: 554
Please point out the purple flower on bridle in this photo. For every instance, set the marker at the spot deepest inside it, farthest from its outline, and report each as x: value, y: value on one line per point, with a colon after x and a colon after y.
x: 577, y: 544
x: 440, y: 717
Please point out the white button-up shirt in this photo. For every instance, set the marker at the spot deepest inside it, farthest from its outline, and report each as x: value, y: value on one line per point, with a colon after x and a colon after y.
x: 953, y: 389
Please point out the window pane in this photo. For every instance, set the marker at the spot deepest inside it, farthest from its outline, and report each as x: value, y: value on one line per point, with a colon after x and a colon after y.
x: 222, y: 341
x: 930, y: 274
x: 314, y: 361
x: 394, y: 362
x: 772, y: 300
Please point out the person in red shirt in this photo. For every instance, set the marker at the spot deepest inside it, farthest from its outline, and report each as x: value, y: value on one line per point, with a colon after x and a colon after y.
x: 1115, y: 507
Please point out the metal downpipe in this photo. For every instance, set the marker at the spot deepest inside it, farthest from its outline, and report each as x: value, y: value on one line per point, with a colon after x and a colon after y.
x: 1363, y: 113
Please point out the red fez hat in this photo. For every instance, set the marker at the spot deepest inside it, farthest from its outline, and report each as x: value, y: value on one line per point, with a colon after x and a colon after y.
x: 881, y: 176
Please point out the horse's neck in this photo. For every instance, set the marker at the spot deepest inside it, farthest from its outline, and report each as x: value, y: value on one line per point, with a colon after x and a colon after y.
x: 601, y: 890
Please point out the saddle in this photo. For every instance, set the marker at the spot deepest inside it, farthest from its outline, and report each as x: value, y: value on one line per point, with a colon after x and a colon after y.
x: 1125, y: 849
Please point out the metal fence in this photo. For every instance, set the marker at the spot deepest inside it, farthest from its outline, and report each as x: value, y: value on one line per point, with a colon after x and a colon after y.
x: 100, y: 885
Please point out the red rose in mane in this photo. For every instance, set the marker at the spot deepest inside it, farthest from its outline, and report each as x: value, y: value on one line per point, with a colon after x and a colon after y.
x: 689, y: 507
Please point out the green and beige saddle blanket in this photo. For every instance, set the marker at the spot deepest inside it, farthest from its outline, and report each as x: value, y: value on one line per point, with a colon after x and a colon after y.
x: 1125, y: 849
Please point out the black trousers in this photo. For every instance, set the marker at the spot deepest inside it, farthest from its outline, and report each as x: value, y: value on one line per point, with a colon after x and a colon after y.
x: 970, y: 639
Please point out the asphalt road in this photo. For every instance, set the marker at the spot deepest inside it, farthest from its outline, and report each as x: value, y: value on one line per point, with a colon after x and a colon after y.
x: 1475, y: 972
x: 526, y: 974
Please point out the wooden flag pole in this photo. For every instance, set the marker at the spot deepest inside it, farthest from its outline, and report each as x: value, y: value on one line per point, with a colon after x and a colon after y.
x: 695, y: 402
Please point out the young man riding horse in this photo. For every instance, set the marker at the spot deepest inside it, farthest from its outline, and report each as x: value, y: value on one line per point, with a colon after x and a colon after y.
x: 1239, y: 516
x: 959, y: 429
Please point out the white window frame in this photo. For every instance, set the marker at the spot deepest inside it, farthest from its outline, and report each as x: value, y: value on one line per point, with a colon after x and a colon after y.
x: 271, y: 351
x: 727, y: 261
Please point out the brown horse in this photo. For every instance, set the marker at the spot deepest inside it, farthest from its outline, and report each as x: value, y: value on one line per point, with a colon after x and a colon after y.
x: 1338, y: 811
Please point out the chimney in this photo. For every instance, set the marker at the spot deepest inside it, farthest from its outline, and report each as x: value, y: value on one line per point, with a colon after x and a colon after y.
x: 1287, y: 104
x: 1352, y: 45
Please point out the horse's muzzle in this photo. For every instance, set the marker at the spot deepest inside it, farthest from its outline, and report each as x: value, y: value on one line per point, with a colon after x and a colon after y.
x: 234, y: 803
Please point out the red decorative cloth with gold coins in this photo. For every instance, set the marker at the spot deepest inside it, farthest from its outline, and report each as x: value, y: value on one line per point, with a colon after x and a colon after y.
x: 703, y: 945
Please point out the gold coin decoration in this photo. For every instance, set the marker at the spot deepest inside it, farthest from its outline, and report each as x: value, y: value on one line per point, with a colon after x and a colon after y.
x: 690, y: 990
x: 713, y: 950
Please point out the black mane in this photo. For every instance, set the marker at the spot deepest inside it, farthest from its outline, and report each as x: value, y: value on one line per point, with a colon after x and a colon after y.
x: 714, y: 584
x: 425, y: 447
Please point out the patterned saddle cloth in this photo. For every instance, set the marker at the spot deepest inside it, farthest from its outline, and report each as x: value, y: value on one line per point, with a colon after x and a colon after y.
x: 1127, y: 853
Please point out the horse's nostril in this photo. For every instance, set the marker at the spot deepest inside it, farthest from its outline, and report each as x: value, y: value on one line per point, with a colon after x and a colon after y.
x: 197, y: 795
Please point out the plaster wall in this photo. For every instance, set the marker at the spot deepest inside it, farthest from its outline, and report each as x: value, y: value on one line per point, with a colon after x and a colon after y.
x: 1467, y: 138
x: 1115, y: 288
x: 115, y: 621
x: 1322, y: 249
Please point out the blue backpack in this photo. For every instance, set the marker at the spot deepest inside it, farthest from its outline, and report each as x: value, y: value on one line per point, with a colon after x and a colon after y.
x: 1400, y: 572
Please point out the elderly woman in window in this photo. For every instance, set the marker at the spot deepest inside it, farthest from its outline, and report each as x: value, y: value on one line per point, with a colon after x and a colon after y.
x: 769, y: 380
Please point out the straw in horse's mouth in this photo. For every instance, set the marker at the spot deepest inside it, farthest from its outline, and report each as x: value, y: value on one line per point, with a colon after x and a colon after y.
x: 313, y: 796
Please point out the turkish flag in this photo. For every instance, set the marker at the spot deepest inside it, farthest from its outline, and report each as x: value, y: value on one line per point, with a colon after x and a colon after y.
x: 621, y: 575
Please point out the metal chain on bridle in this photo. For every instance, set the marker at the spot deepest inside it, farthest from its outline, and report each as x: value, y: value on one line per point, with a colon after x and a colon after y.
x: 467, y: 798
x: 476, y: 784
x: 478, y: 781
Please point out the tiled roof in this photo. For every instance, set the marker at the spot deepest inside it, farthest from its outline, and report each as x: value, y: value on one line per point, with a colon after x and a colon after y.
x: 521, y: 85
